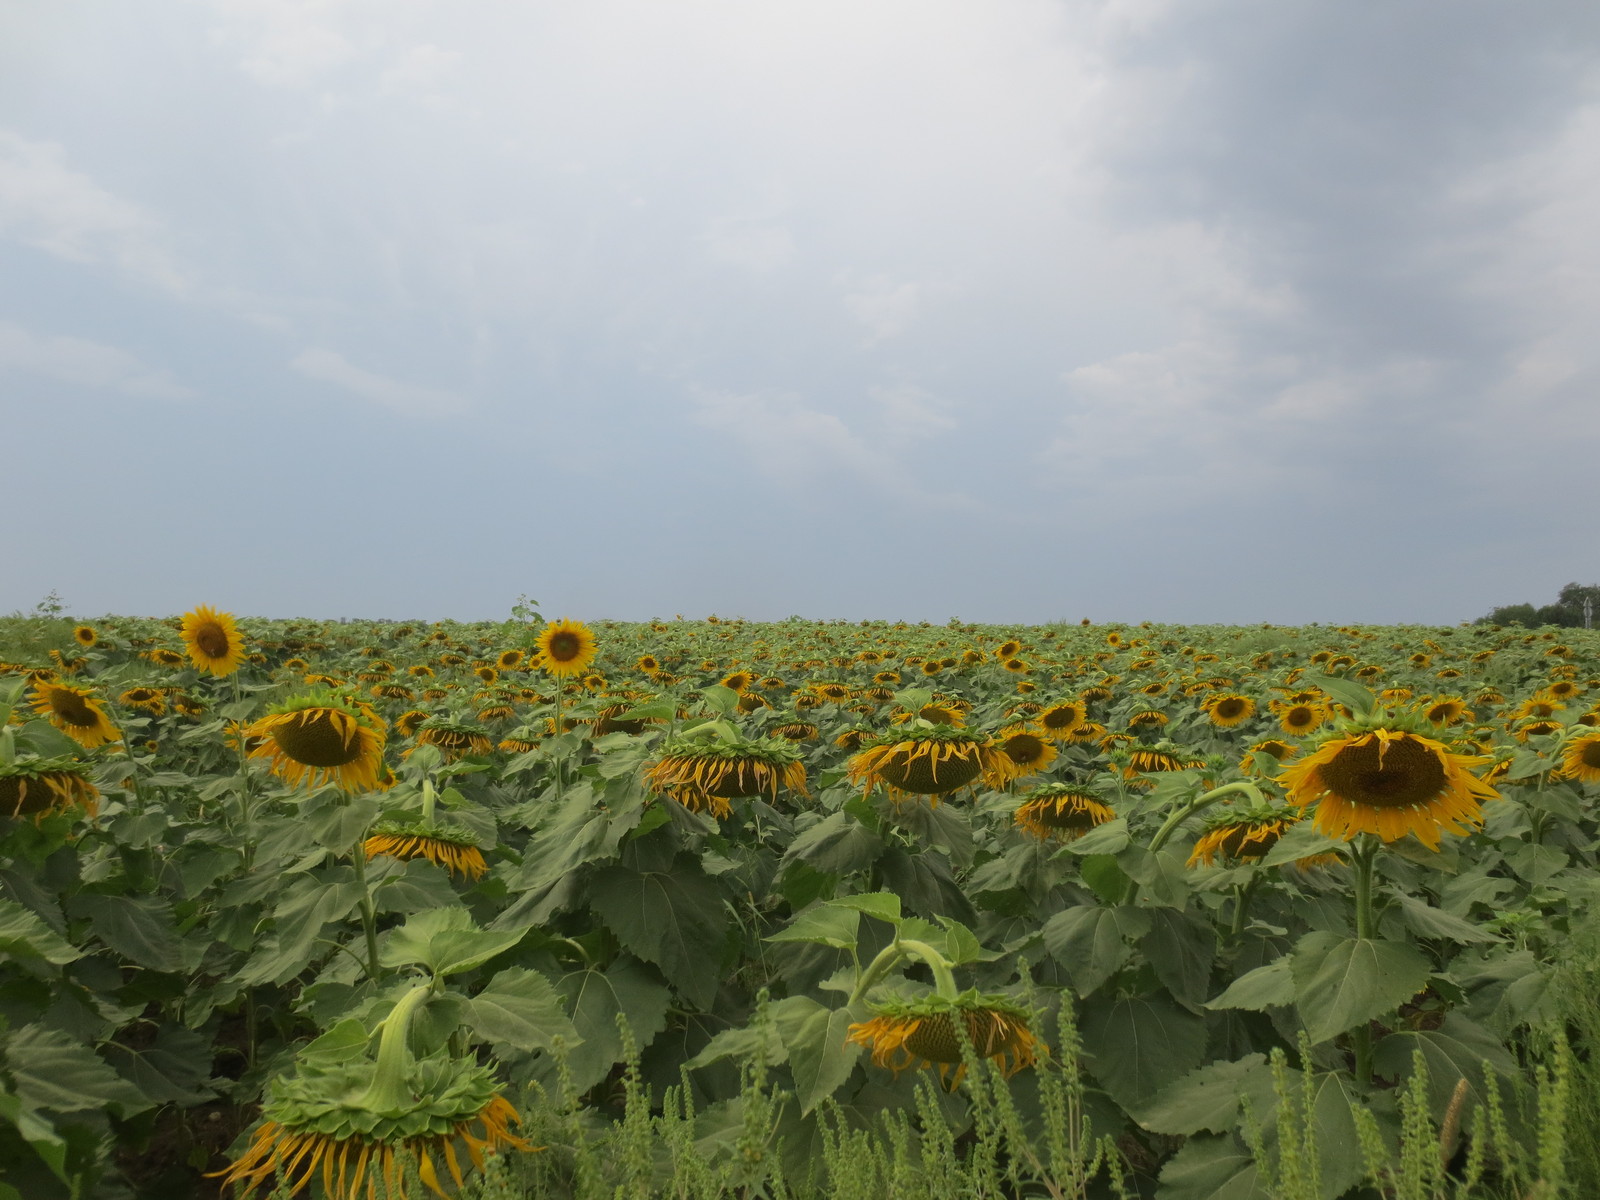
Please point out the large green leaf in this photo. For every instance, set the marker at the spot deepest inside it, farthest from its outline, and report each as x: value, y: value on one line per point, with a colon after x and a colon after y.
x: 1459, y: 1049
x: 173, y: 1069
x: 1092, y: 942
x: 1181, y: 948
x: 675, y: 919
x: 1269, y: 986
x: 594, y: 998
x: 1427, y: 921
x: 140, y: 928
x: 24, y: 936
x: 883, y: 905
x: 825, y: 924
x: 50, y: 1071
x: 1341, y: 982
x: 1211, y: 1168
x: 1138, y: 1045
x: 520, y: 1009
x: 447, y: 941
x: 1208, y: 1099
x: 820, y: 1057
x: 837, y: 844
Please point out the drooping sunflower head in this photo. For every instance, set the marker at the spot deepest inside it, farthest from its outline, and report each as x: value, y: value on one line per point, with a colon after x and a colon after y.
x: 213, y: 641
x: 566, y: 648
x: 923, y: 1032
x: 1065, y: 811
x: 923, y: 759
x: 1242, y: 835
x: 35, y: 787
x: 704, y: 774
x: 1391, y: 781
x: 451, y: 849
x: 75, y: 712
x: 1276, y: 751
x: 456, y: 739
x: 796, y: 731
x: 150, y: 699
x: 322, y: 737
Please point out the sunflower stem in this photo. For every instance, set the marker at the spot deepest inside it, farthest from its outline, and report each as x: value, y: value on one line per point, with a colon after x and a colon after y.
x: 1363, y: 859
x: 943, y: 981
x: 429, y: 796
x: 555, y: 741
x: 369, y: 916
x: 1242, y: 895
x: 388, y: 1091
x: 1203, y: 801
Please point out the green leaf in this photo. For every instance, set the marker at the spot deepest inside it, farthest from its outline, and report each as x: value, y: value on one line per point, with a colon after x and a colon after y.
x: 1459, y: 1049
x: 675, y: 919
x: 883, y: 905
x: 413, y: 887
x: 1108, y: 838
x: 1269, y: 986
x: 594, y: 998
x: 1341, y: 982
x: 1211, y: 1168
x: 820, y: 1058
x: 445, y: 940
x: 1092, y: 942
x: 520, y: 1009
x: 1181, y: 948
x: 1141, y: 1044
x: 23, y: 935
x: 1347, y: 692
x: 174, y: 1069
x: 1427, y: 921
x: 1105, y: 877
x: 961, y: 945
x: 838, y: 843
x: 656, y: 710
x: 1209, y: 1099
x: 345, y: 1042
x: 50, y: 1071
x: 824, y: 924
x: 338, y: 825
x: 140, y: 928
x: 1301, y: 840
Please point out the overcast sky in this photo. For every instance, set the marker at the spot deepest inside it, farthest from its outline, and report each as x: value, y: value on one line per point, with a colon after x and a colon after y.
x: 1012, y: 310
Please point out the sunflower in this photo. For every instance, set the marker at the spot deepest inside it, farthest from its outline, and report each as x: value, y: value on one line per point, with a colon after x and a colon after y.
x: 1229, y: 709
x: 1149, y: 760
x: 451, y: 850
x: 333, y: 1123
x: 85, y: 635
x: 455, y: 739
x: 929, y: 760
x: 213, y: 641
x: 833, y: 693
x: 1087, y: 734
x: 703, y: 774
x: 1148, y: 718
x: 1061, y: 810
x: 566, y: 648
x: 1241, y: 836
x: 605, y: 721
x: 1447, y: 710
x: 322, y: 738
x: 1028, y: 749
x: 407, y: 723
x: 146, y: 698
x: 36, y: 787
x: 796, y: 731
x: 648, y: 663
x: 1298, y: 720
x: 486, y: 673
x: 164, y: 658
x: 919, y: 1033
x: 1581, y: 759
x: 738, y: 681
x: 509, y: 660
x: 938, y: 711
x: 75, y: 712
x: 1390, y: 782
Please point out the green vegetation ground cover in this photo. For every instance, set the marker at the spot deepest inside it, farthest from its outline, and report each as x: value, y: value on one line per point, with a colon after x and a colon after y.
x: 676, y: 988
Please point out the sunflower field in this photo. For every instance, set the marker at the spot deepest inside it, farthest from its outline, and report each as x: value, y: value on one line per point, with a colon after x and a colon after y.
x: 717, y: 908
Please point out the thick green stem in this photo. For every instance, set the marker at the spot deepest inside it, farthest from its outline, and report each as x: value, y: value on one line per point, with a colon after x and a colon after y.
x: 555, y: 738
x: 369, y: 916
x: 943, y: 981
x: 1204, y: 801
x: 389, y: 1091
x: 1364, y: 858
x: 430, y: 796
x: 1242, y: 896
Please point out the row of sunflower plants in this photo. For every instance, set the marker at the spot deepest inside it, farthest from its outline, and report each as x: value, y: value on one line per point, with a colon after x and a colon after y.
x: 323, y: 904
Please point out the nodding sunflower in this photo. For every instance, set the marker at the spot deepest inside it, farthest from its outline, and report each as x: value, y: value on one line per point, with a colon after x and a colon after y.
x: 454, y: 851
x: 1535, y: 728
x: 605, y: 721
x: 85, y: 635
x: 1275, y: 749
x: 796, y: 731
x: 364, y: 1127
x: 1087, y: 734
x: 455, y: 739
x: 833, y: 693
x: 924, y: 759
x: 705, y: 773
x: 407, y: 723
x: 75, y: 712
x: 1391, y: 782
x: 1580, y: 759
x: 36, y: 787
x: 146, y: 698
x: 922, y: 1032
x: 496, y: 712
x: 938, y: 711
x: 1062, y: 810
x: 392, y: 691
x: 738, y: 681
x: 1150, y: 760
x: 1028, y: 749
x: 566, y: 648
x: 164, y: 658
x: 1229, y: 709
x: 519, y: 741
x: 213, y: 641
x: 1060, y: 719
x: 1242, y: 836
x: 322, y: 737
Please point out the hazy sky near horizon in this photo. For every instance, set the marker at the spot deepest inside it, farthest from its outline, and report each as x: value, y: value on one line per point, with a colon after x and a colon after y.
x: 1178, y: 310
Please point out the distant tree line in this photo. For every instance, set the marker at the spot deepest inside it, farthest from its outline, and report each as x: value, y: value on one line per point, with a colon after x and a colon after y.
x: 1566, y: 611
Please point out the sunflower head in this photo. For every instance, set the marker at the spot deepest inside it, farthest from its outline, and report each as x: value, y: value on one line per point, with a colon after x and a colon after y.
x: 923, y: 759
x: 85, y: 635
x: 455, y: 739
x: 566, y: 648
x: 213, y: 641
x: 923, y: 1032
x: 322, y: 737
x: 1580, y: 759
x: 451, y: 849
x: 1029, y: 750
x: 706, y: 772
x: 74, y: 711
x: 35, y: 787
x: 1242, y: 835
x: 1227, y: 709
x: 1380, y: 776
x: 1063, y: 811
